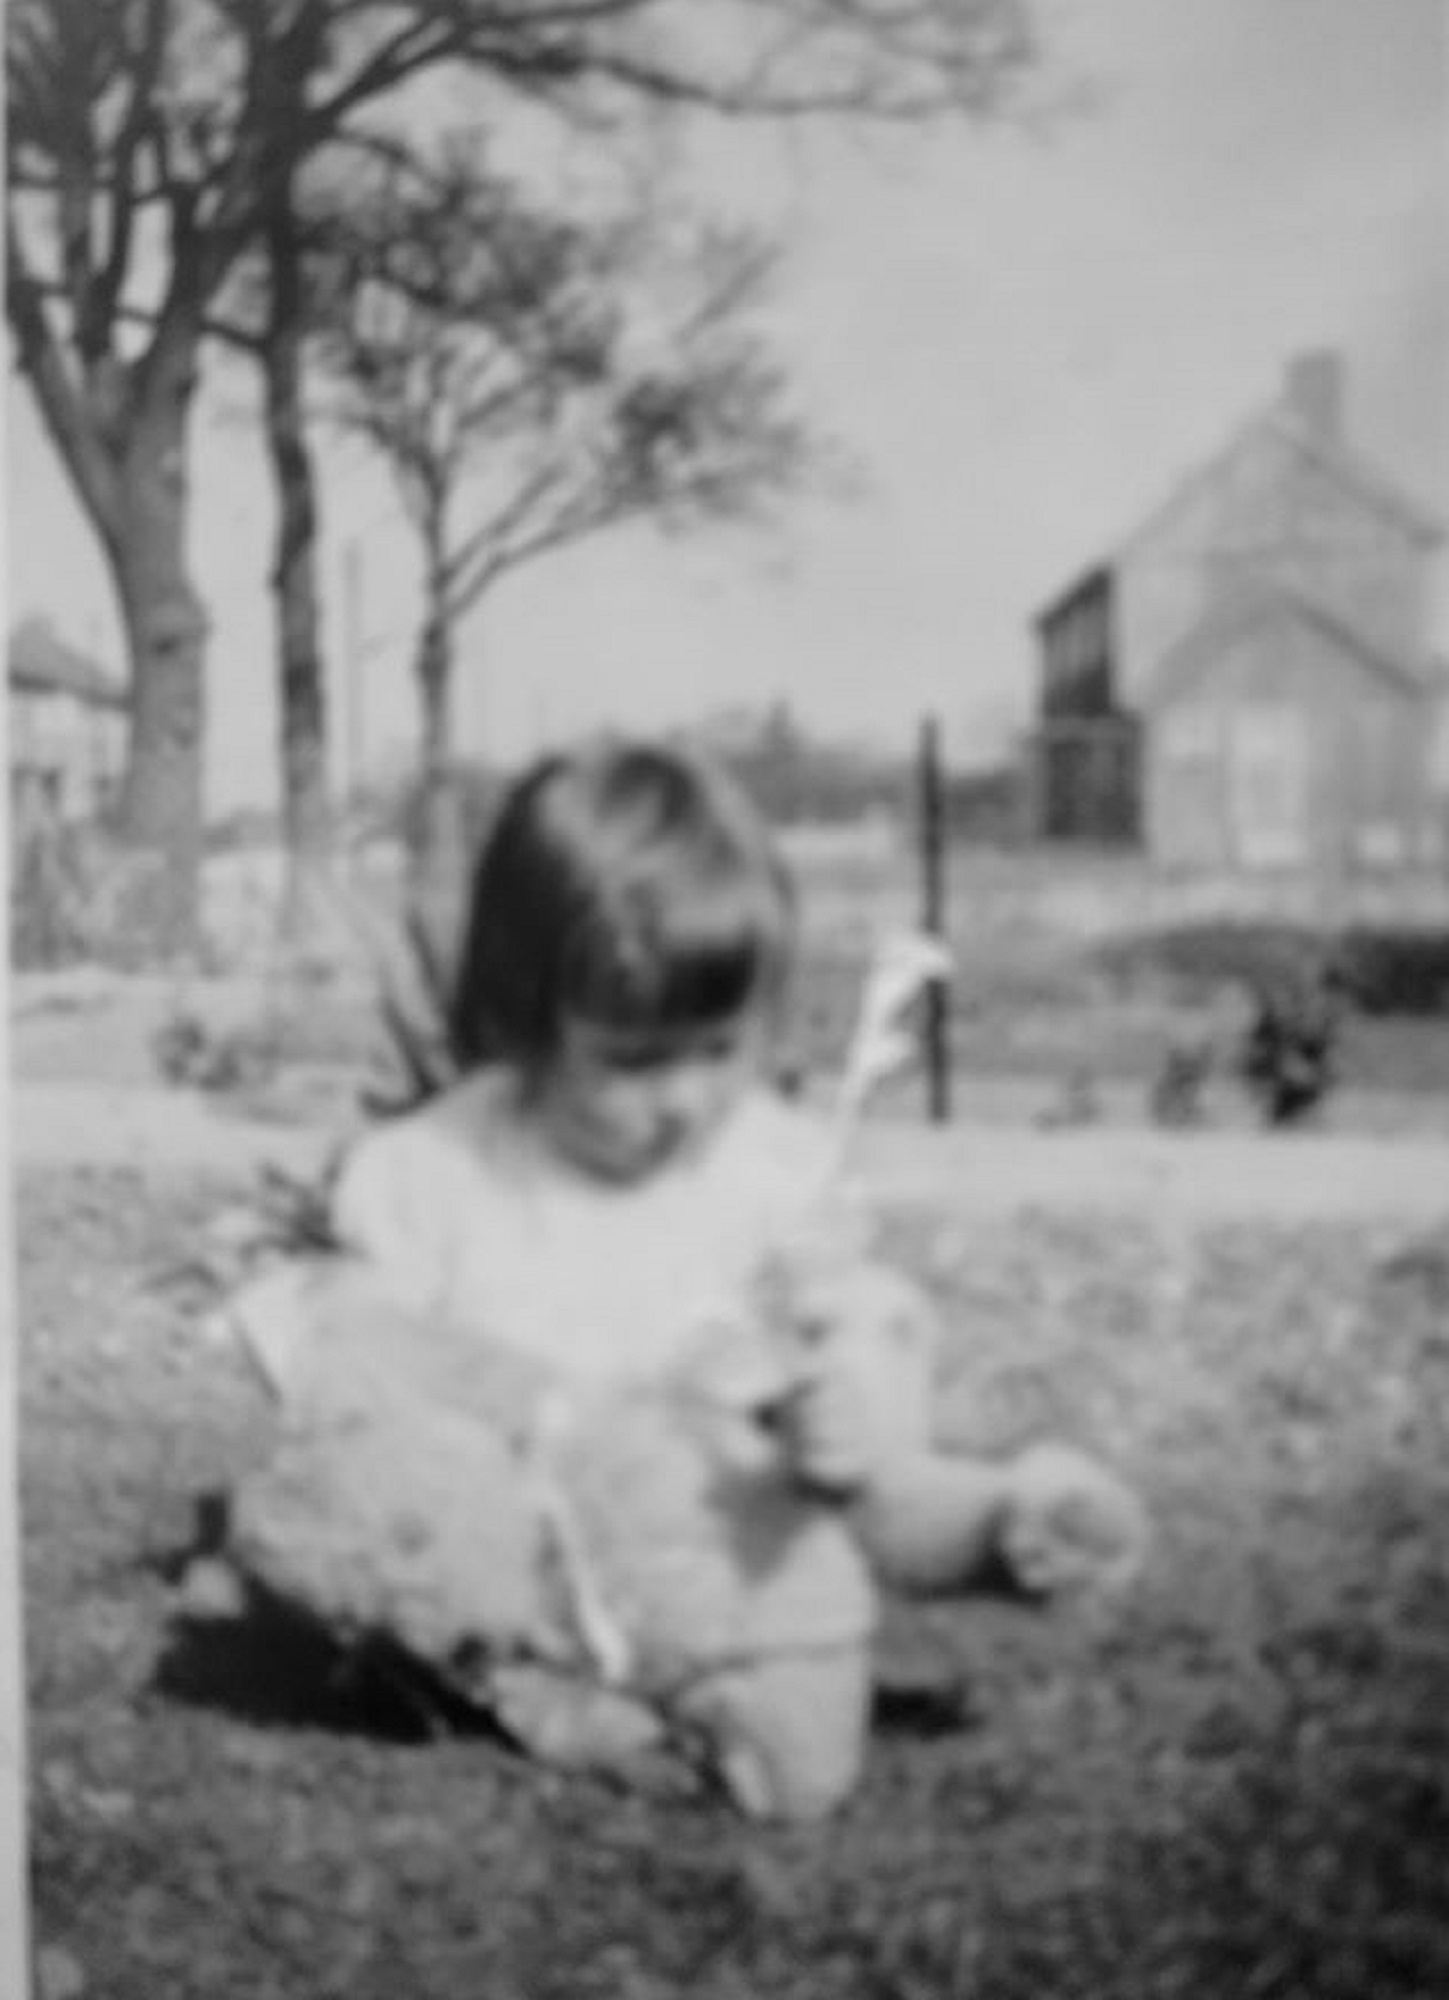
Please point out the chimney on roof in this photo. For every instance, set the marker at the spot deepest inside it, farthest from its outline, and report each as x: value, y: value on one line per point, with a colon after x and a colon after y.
x: 1313, y: 394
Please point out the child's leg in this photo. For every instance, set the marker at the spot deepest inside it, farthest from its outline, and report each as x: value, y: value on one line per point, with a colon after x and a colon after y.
x: 786, y: 1732
x: 1070, y: 1523
x: 1047, y: 1520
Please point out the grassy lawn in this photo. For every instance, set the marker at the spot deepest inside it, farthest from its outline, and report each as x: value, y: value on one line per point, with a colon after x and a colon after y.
x: 1239, y: 1785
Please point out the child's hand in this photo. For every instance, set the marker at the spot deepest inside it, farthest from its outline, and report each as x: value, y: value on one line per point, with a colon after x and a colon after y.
x: 860, y: 1402
x: 830, y: 1432
x: 865, y: 1392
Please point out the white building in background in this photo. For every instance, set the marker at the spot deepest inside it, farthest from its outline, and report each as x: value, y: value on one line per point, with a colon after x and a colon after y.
x: 1246, y: 683
x: 68, y: 724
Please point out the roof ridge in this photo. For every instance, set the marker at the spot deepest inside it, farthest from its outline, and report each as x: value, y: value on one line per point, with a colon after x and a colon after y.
x: 1258, y: 592
x: 1349, y: 463
x: 1342, y: 460
x: 39, y: 657
x: 1186, y: 482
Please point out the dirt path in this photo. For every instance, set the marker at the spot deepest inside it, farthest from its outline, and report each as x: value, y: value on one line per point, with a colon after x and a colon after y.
x: 1203, y: 1173
x: 83, y: 1124
x: 976, y: 1169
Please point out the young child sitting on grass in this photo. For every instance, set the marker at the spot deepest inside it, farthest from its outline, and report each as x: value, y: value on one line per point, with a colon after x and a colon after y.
x: 608, y: 1345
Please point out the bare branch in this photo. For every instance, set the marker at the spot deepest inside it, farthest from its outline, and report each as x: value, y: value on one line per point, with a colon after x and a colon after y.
x: 78, y: 437
x: 412, y: 48
x: 888, y: 61
x: 121, y: 186
x: 505, y: 357
x: 73, y: 216
x: 215, y: 326
x: 476, y: 553
x: 583, y: 517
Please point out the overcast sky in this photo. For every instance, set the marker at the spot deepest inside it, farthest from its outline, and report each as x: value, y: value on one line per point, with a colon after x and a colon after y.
x: 1025, y: 340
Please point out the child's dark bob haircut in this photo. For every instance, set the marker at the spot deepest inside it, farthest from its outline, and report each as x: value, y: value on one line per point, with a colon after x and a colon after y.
x: 631, y: 885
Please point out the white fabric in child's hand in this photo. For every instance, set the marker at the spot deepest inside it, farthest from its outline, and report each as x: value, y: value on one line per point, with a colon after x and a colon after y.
x: 270, y: 1318
x: 868, y: 1336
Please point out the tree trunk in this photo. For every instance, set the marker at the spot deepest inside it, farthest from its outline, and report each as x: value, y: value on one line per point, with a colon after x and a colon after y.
x: 435, y: 686
x: 306, y: 812
x: 438, y: 848
x: 166, y: 628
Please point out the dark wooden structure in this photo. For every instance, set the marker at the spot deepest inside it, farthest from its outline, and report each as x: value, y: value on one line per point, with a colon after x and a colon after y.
x: 936, y: 1016
x: 1086, y: 749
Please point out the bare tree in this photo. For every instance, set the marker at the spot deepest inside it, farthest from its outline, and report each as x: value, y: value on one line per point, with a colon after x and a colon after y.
x: 533, y: 381
x: 301, y: 707
x: 149, y: 141
x: 263, y: 315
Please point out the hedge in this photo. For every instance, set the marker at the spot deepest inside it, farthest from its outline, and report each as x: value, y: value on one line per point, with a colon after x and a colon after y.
x: 1380, y: 969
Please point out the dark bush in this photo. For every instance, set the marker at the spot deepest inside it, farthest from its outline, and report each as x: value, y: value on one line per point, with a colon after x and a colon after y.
x: 1201, y: 957
x: 1176, y: 1095
x: 77, y: 894
x: 1289, y: 1055
x: 1386, y: 971
x: 1379, y: 969
x: 195, y: 1054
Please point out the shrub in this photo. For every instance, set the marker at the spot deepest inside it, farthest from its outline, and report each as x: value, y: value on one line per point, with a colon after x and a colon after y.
x: 192, y: 1053
x: 1201, y: 958
x: 77, y: 895
x: 1290, y: 1048
x: 1392, y: 971
x: 1176, y: 1096
x: 1076, y: 1102
x: 1379, y: 968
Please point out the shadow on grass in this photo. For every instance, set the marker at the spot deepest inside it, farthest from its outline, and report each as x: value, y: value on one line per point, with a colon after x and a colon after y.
x: 270, y: 1667
x: 269, y: 1664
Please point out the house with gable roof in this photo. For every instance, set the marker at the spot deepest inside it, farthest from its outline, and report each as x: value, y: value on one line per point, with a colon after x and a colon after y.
x: 1246, y: 683
x: 67, y: 730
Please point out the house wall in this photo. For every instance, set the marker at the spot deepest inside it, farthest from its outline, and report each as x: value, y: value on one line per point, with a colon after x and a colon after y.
x: 1268, y: 507
x: 66, y: 754
x: 1436, y: 758
x: 1280, y: 750
x: 1354, y: 559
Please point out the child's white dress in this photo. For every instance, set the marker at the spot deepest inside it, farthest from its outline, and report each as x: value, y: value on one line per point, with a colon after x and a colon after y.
x: 471, y: 1219
x: 521, y: 1413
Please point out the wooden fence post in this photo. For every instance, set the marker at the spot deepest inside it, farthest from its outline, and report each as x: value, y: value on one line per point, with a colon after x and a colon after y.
x: 936, y: 1006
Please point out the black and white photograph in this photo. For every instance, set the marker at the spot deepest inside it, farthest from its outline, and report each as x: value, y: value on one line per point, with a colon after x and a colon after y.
x: 727, y: 1002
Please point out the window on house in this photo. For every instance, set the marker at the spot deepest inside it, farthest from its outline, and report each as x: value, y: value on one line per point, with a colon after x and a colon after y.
x: 1439, y: 750
x: 1268, y: 789
x: 1186, y: 811
x: 1380, y: 843
x: 1380, y: 784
